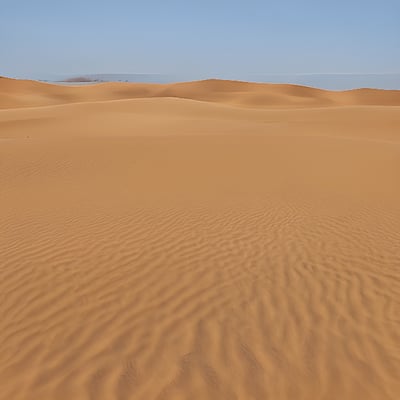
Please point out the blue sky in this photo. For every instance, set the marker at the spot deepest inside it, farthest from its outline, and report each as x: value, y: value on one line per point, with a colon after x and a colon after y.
x: 199, y: 38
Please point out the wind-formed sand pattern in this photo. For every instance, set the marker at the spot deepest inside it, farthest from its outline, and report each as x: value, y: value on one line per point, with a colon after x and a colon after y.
x: 203, y: 240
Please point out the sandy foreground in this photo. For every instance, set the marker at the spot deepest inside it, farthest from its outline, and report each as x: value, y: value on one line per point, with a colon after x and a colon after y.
x: 203, y: 240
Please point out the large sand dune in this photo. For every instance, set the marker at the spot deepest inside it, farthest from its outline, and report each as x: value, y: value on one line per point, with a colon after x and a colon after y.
x: 15, y: 93
x: 202, y: 240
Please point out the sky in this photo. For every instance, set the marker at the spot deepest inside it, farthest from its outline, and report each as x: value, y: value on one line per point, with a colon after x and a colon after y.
x: 207, y: 38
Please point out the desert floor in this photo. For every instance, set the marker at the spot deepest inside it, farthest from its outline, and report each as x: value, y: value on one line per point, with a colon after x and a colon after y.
x: 203, y: 240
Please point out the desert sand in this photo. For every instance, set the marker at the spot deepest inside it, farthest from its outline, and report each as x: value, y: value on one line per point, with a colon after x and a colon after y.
x: 201, y: 240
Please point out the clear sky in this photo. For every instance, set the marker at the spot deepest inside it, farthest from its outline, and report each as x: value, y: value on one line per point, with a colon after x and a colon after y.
x: 204, y: 38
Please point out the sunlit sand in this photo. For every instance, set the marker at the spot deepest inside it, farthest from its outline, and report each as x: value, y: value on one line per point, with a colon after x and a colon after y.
x: 201, y: 240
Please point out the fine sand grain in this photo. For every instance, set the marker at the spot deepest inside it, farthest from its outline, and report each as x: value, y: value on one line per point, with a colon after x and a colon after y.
x: 201, y: 240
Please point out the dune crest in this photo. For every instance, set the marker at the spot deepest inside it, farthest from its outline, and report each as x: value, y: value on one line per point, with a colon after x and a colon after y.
x: 22, y: 93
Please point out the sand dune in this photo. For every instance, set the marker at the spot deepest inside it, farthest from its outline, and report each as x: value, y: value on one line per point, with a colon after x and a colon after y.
x: 202, y: 240
x: 16, y: 93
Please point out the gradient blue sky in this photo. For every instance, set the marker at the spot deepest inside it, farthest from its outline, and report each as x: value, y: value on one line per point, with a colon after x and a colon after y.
x: 204, y: 38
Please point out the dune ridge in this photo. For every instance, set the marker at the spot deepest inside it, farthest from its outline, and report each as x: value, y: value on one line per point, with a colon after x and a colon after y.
x: 158, y: 247
x: 22, y: 93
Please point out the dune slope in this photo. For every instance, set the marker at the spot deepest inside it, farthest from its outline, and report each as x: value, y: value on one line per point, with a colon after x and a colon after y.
x: 17, y: 93
x: 154, y: 246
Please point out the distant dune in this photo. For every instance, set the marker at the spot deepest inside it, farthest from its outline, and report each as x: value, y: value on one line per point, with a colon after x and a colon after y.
x: 19, y: 93
x: 211, y: 240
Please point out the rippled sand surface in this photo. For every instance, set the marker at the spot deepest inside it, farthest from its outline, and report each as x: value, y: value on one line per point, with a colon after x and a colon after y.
x: 206, y: 240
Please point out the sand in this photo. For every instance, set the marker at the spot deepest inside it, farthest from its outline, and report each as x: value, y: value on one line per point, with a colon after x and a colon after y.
x: 202, y: 240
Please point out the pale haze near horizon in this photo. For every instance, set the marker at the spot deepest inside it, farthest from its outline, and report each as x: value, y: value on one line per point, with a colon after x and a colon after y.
x: 329, y: 44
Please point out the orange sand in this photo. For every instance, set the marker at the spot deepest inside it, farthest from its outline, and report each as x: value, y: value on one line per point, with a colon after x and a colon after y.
x: 202, y: 240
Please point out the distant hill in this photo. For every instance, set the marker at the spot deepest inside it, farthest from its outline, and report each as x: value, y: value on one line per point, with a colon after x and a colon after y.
x: 79, y: 79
